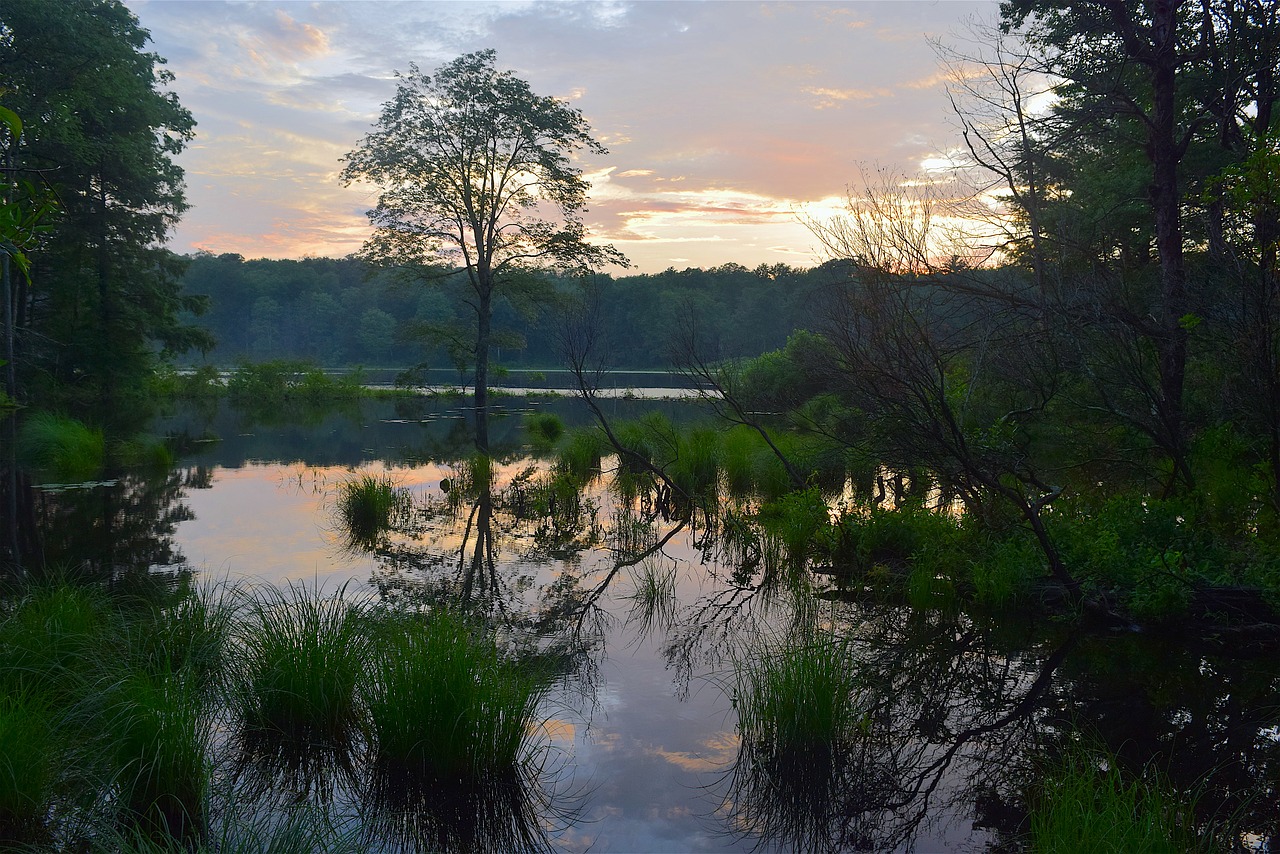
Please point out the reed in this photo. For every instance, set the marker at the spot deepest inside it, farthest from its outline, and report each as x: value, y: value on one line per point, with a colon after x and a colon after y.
x: 63, y: 446
x: 445, y: 704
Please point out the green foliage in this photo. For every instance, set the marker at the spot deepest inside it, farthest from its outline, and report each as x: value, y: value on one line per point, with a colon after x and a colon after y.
x: 544, y: 429
x: 107, y: 142
x: 795, y: 519
x: 303, y: 658
x: 445, y: 704
x: 1086, y: 803
x: 369, y: 505
x: 1002, y: 572
x: 65, y: 447
x: 1154, y: 550
x: 285, y: 380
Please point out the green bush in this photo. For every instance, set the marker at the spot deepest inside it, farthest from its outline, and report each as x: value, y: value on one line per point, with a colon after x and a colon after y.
x: 368, y: 505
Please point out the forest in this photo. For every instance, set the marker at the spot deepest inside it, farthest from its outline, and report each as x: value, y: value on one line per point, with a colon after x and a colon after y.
x: 967, y: 535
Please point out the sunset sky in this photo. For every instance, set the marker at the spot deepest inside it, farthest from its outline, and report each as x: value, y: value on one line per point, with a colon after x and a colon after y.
x: 724, y: 120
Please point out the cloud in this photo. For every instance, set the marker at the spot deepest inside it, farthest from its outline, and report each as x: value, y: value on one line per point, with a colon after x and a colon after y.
x: 721, y: 119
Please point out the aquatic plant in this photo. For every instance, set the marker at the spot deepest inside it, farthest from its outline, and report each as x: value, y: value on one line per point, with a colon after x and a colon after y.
x: 301, y: 657
x: 64, y: 446
x: 653, y: 596
x: 800, y: 698
x: 580, y: 454
x: 695, y: 467
x: 445, y: 704
x: 157, y: 728
x: 142, y: 452
x: 30, y: 758
x: 543, y: 428
x: 1085, y: 802
x: 368, y: 505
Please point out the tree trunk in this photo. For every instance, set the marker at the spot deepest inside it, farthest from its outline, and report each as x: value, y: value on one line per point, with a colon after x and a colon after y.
x: 484, y: 318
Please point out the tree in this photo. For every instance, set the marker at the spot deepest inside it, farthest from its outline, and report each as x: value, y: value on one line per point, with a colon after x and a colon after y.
x: 104, y: 293
x: 476, y: 178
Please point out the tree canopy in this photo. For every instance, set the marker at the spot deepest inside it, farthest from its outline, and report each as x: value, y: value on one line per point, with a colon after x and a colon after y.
x: 477, y: 181
x: 104, y: 295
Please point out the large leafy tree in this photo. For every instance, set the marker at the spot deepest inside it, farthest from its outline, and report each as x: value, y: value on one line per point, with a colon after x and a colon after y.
x: 477, y: 182
x: 104, y: 296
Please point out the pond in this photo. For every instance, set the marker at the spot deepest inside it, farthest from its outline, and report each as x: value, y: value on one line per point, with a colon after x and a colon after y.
x: 661, y: 623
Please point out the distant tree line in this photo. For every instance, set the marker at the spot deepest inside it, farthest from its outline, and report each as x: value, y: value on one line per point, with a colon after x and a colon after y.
x: 342, y: 312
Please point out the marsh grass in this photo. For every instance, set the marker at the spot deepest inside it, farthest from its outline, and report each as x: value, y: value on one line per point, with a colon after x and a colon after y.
x: 158, y: 727
x: 64, y: 447
x: 544, y: 429
x: 301, y: 658
x: 800, y: 700
x: 801, y: 779
x: 580, y: 454
x: 653, y: 597
x: 368, y: 505
x: 795, y: 520
x: 446, y: 705
x: 30, y: 757
x: 1086, y: 803
x: 695, y: 468
x: 142, y: 452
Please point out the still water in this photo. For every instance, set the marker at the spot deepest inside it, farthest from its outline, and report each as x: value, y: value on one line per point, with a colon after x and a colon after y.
x: 641, y: 749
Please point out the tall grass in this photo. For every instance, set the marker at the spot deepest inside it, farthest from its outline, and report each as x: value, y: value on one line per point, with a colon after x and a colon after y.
x: 367, y: 506
x: 445, y: 704
x: 64, y: 446
x: 580, y: 454
x: 30, y: 757
x: 159, y: 729
x: 800, y: 700
x: 1085, y: 803
x: 301, y: 659
x: 544, y: 429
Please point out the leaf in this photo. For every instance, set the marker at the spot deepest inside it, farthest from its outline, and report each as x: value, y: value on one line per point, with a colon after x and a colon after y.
x: 11, y: 121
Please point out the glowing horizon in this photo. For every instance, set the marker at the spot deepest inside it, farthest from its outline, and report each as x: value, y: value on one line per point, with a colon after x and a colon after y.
x: 726, y: 122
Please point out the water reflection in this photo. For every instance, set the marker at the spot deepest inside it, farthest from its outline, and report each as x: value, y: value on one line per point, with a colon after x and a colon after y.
x: 602, y: 582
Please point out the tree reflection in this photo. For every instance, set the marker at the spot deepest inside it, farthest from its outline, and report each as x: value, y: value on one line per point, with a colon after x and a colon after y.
x: 119, y: 532
x: 945, y: 711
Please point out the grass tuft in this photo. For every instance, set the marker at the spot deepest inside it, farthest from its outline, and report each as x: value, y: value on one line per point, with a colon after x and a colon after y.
x: 63, y: 446
x: 446, y: 705
x: 368, y: 505
x: 301, y: 661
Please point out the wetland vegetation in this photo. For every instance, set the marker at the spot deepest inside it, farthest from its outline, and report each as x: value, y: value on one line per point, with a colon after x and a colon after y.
x: 944, y: 543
